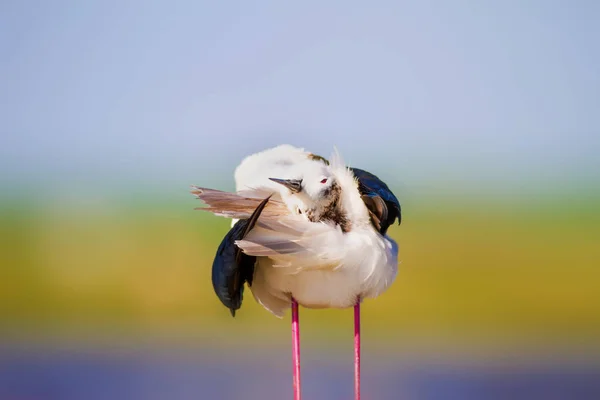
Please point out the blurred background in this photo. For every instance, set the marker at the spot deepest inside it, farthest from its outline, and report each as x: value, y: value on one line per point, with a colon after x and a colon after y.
x: 483, y: 118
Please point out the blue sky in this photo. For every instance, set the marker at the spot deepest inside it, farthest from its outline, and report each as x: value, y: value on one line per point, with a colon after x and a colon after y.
x: 177, y: 92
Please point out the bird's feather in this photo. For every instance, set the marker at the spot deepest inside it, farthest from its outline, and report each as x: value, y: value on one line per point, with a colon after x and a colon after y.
x: 383, y: 205
x: 231, y: 267
x: 238, y: 205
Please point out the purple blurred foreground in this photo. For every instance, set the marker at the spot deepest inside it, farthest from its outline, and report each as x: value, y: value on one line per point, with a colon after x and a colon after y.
x: 38, y: 374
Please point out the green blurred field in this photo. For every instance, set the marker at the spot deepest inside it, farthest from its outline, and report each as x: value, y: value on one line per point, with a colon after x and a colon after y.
x: 495, y: 272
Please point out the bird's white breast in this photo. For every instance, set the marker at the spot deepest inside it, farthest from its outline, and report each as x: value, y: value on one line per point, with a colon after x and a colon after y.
x: 367, y: 270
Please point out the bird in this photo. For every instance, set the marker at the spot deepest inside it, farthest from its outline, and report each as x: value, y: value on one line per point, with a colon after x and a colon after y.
x: 306, y: 231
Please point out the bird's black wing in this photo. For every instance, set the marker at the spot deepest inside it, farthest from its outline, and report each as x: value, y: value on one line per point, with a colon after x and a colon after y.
x: 382, y: 204
x: 231, y: 267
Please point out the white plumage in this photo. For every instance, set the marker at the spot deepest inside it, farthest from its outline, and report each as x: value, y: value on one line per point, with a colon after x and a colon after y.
x: 316, y: 263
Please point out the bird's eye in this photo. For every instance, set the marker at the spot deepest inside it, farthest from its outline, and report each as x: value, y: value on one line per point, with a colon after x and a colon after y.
x: 324, y: 180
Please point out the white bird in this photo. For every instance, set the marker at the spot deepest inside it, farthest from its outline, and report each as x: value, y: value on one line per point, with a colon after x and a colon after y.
x: 305, y: 231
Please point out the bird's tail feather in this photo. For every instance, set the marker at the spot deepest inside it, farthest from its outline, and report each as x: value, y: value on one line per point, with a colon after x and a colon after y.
x: 238, y: 205
x: 289, y: 240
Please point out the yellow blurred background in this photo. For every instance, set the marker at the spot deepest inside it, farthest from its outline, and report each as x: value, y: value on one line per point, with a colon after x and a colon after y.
x: 471, y: 272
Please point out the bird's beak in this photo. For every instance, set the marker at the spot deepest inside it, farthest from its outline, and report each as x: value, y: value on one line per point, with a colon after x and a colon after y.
x: 295, y: 185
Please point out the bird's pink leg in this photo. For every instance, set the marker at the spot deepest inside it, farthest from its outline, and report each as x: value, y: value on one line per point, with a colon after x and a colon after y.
x: 296, y: 349
x: 357, y: 351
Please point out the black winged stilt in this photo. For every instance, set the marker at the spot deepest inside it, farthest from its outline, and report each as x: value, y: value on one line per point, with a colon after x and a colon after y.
x: 305, y: 232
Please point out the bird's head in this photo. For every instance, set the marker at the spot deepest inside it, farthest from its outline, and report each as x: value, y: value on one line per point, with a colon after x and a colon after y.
x: 313, y: 192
